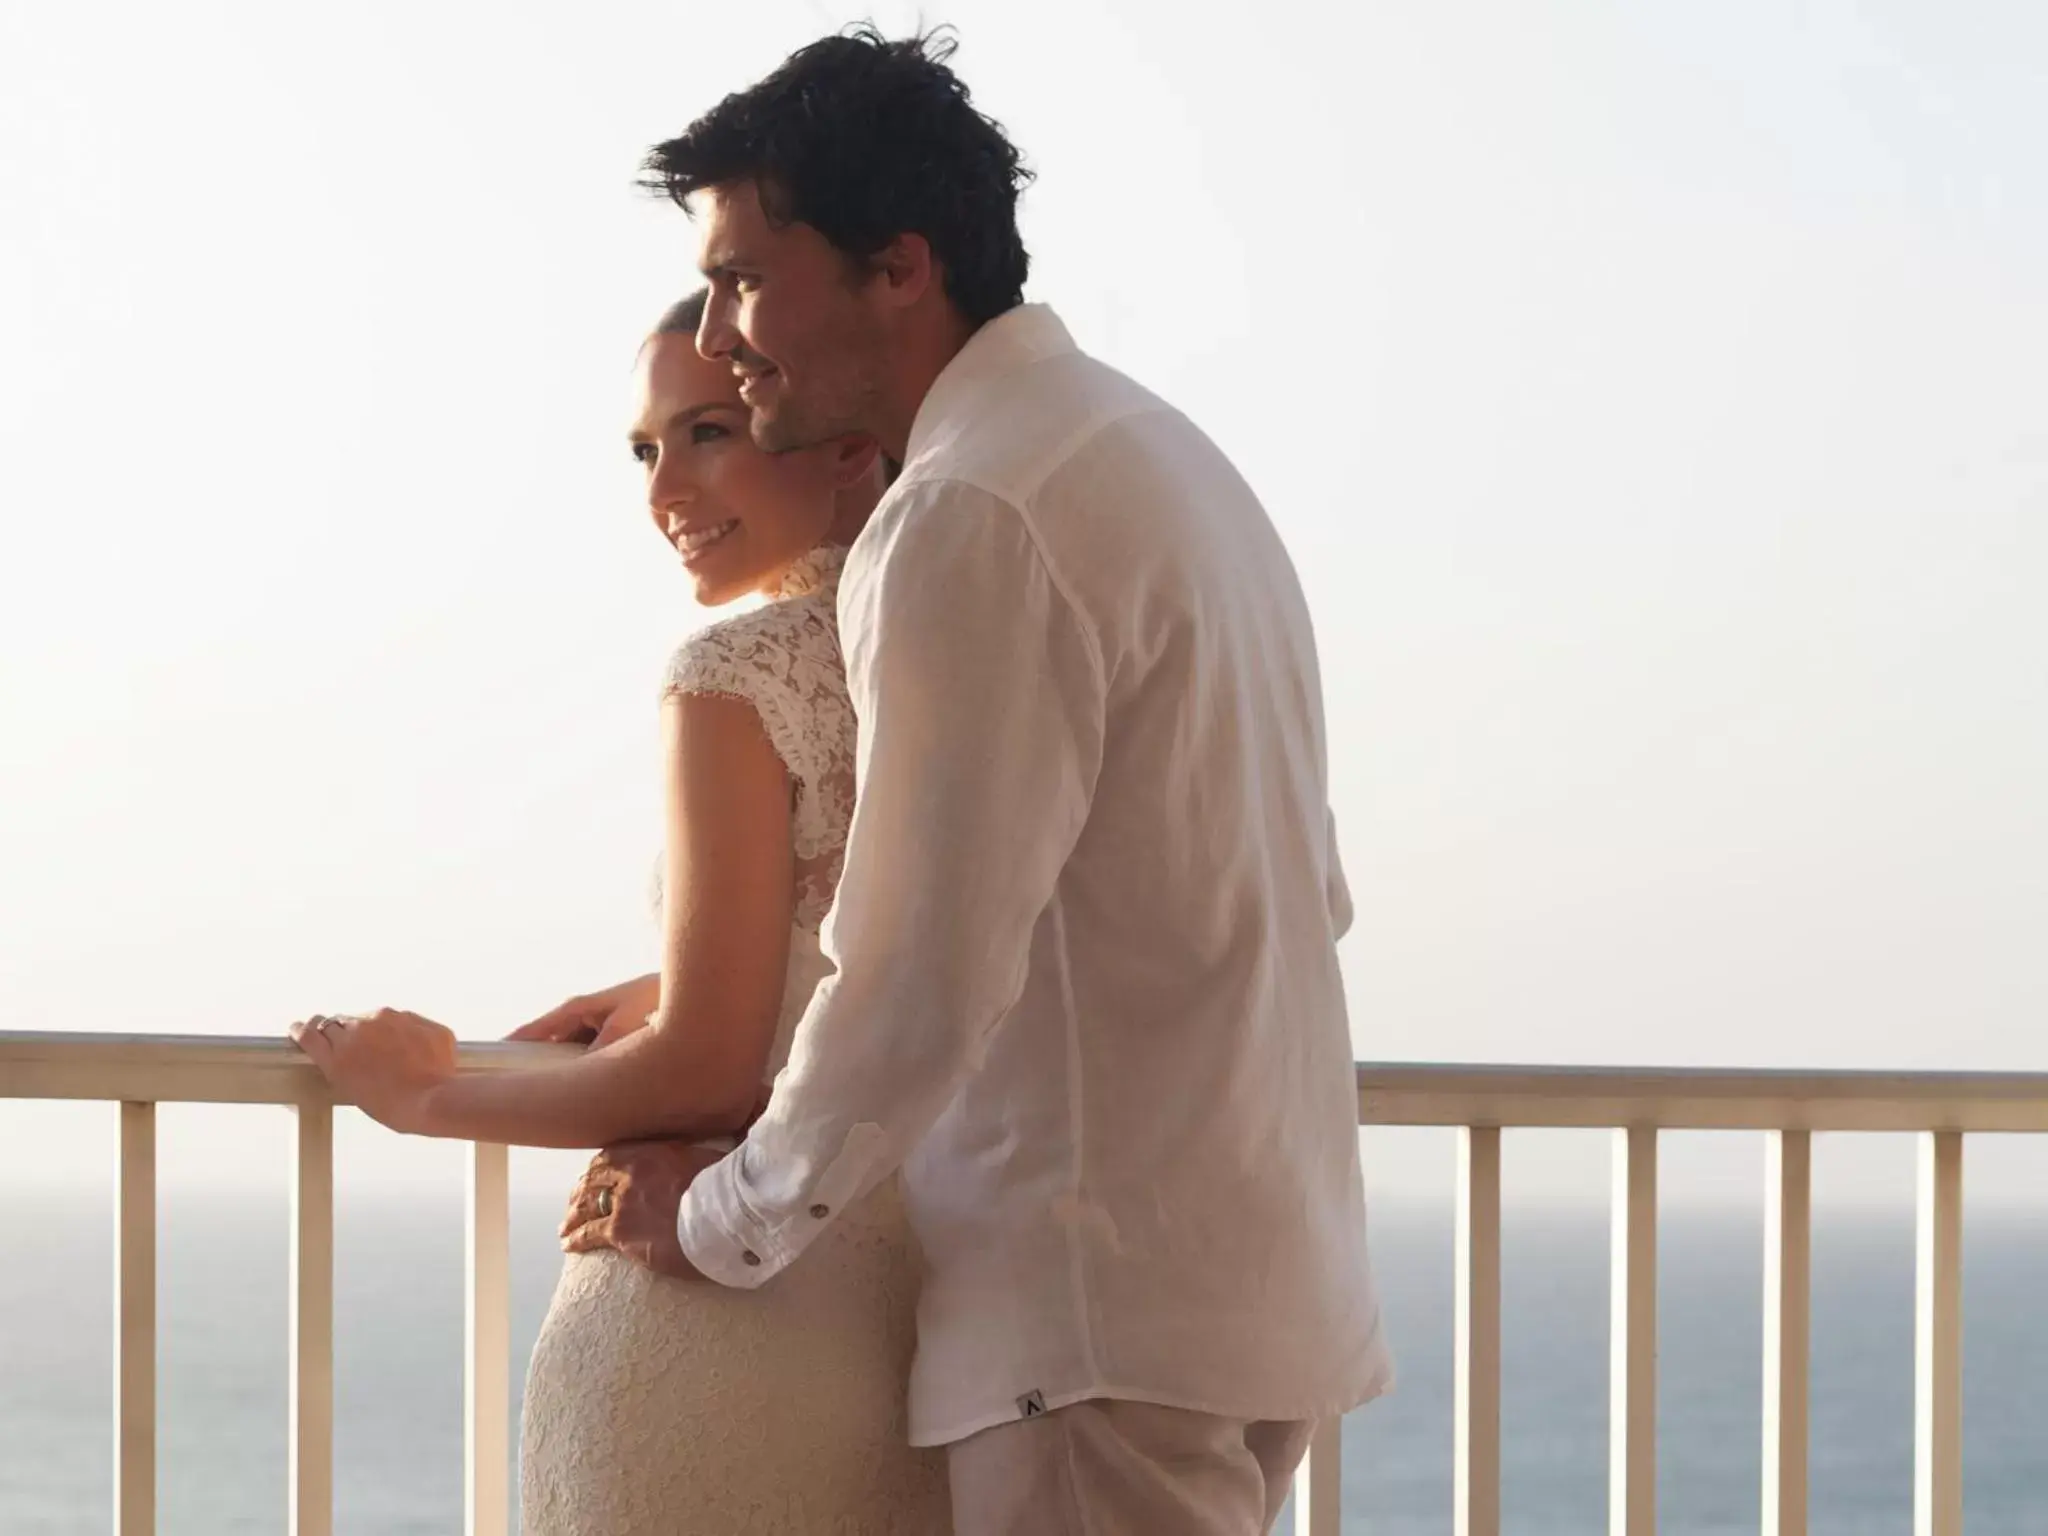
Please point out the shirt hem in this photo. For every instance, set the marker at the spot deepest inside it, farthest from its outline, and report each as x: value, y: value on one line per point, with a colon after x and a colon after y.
x: 1380, y: 1384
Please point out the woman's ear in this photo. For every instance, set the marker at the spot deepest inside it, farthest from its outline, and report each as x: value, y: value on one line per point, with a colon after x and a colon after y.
x: 854, y: 459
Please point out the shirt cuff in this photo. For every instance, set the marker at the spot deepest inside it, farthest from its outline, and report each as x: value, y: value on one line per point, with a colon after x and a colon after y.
x: 720, y: 1235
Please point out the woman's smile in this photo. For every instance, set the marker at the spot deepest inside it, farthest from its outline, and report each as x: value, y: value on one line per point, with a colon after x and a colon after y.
x: 697, y: 541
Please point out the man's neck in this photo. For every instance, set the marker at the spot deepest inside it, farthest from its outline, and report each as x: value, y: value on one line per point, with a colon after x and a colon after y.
x: 922, y: 360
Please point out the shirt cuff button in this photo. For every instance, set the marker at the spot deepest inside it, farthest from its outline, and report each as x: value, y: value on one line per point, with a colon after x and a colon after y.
x: 820, y: 1212
x: 750, y: 1258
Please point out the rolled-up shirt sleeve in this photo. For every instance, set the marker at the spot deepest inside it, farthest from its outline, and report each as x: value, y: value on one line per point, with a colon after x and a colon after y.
x: 980, y: 693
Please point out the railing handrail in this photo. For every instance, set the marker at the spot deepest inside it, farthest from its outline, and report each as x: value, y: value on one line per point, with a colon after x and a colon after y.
x: 268, y: 1069
x: 201, y: 1069
x: 1700, y: 1098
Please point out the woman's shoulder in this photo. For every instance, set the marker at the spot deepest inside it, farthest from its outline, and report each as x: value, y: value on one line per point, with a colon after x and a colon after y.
x: 783, y: 660
x: 760, y: 646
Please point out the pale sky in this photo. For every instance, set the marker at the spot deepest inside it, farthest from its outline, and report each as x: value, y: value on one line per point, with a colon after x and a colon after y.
x: 1655, y: 398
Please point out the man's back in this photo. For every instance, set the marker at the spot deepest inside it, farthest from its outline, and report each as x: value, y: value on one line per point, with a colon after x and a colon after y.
x: 1149, y: 1184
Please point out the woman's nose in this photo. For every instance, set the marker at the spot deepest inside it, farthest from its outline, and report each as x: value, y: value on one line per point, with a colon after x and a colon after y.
x: 669, y: 491
x: 670, y: 513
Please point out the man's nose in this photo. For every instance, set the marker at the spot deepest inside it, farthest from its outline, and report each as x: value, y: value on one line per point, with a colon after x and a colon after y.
x: 717, y: 335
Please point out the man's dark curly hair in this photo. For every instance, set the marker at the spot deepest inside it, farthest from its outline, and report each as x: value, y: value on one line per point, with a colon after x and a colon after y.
x: 865, y: 139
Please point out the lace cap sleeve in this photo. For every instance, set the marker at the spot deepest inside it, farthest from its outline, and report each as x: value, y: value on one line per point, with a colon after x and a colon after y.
x: 784, y: 662
x: 744, y: 661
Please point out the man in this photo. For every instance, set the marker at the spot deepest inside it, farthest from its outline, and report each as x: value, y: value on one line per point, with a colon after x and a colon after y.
x: 1087, y: 994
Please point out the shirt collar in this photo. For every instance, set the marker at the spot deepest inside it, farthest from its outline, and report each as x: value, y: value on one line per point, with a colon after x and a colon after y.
x: 1009, y: 343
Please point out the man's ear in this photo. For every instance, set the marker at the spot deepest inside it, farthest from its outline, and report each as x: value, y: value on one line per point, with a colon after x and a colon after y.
x: 906, y: 268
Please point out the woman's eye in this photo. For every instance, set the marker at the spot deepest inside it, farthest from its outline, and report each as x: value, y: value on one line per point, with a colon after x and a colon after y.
x: 644, y: 453
x: 707, y: 432
x: 746, y: 282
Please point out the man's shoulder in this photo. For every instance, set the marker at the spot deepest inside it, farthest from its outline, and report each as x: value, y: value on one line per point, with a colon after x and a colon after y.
x: 1017, y: 432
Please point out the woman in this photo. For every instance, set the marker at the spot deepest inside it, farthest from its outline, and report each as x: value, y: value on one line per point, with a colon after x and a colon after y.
x: 656, y: 1407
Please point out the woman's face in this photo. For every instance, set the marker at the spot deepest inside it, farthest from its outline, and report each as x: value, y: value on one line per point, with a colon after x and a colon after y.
x: 737, y: 516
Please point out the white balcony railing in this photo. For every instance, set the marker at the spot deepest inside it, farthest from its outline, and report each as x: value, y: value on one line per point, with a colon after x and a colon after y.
x: 142, y: 1071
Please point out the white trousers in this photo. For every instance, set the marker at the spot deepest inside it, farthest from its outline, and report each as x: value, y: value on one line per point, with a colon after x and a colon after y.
x: 1112, y: 1468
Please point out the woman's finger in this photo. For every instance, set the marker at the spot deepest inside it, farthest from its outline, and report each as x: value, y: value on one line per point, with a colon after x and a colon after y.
x: 565, y: 1025
x: 620, y: 1023
x: 313, y: 1040
x: 569, y: 1030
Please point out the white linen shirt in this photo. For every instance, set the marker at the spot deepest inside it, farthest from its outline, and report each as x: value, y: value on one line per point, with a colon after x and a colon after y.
x: 1086, y: 990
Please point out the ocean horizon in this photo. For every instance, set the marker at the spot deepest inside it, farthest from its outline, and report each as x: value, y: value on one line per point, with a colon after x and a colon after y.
x: 398, y: 1368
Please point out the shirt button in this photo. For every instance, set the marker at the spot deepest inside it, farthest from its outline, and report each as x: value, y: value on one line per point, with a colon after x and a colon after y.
x: 820, y: 1212
x: 750, y: 1258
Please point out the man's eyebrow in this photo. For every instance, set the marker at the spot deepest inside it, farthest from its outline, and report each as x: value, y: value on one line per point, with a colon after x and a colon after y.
x: 724, y: 267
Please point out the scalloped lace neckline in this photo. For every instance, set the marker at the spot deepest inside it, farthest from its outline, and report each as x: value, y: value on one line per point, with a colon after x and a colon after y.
x: 817, y: 569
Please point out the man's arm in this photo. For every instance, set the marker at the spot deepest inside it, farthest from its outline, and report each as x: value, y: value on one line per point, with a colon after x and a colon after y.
x: 980, y: 697
x: 1335, y: 891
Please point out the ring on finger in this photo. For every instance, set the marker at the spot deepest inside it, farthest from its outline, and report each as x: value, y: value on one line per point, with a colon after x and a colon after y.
x: 604, y: 1201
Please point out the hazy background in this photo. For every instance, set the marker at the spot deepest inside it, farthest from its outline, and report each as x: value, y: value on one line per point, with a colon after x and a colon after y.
x: 1653, y: 396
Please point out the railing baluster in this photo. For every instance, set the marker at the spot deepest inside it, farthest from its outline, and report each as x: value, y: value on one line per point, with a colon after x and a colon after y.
x: 1938, y: 1336
x: 311, y: 1439
x: 141, y: 1071
x: 487, y: 1403
x: 1319, y: 1483
x: 1788, y: 1306
x: 1632, y: 1347
x: 1476, y: 1348
x: 135, y: 1325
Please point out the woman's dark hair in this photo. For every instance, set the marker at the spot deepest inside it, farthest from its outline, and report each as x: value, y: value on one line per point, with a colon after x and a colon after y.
x: 685, y: 317
x: 865, y: 139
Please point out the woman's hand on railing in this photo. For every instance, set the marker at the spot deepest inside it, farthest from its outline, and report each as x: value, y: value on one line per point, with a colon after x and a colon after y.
x: 595, y: 1018
x: 387, y: 1063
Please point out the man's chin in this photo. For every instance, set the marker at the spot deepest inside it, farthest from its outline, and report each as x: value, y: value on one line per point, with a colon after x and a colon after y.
x: 776, y: 434
x: 782, y: 432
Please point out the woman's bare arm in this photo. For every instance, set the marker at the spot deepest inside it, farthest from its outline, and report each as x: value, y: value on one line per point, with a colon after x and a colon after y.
x: 730, y: 886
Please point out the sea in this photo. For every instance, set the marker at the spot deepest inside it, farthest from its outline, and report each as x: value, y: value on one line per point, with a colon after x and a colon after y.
x: 398, y: 1374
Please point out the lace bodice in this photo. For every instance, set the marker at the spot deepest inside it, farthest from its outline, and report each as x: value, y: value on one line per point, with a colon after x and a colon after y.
x: 656, y: 1408
x: 783, y: 659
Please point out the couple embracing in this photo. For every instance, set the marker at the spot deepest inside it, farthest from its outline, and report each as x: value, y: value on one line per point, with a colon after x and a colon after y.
x: 982, y: 1157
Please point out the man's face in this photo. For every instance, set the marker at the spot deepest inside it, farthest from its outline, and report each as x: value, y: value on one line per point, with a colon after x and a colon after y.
x: 799, y: 325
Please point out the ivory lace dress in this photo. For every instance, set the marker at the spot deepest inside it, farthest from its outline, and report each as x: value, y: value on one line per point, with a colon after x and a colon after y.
x: 657, y: 1407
